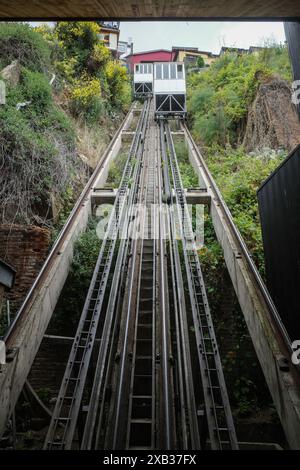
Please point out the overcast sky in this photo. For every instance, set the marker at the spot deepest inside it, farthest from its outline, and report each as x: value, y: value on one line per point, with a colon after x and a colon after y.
x: 207, y: 36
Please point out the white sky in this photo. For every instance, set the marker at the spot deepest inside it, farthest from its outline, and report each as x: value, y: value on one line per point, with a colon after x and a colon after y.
x: 207, y: 36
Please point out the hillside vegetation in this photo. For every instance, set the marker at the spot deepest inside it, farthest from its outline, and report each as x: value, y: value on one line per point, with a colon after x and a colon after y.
x: 220, y: 98
x: 41, y: 170
x: 219, y: 101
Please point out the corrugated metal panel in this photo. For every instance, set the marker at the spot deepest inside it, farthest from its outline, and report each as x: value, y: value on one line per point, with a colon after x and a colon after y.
x: 279, y: 207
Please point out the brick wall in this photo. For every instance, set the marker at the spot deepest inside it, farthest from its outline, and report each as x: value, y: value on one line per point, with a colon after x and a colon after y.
x: 25, y: 248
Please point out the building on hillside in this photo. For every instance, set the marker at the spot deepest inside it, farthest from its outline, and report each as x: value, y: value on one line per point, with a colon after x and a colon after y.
x: 255, y: 49
x: 109, y: 35
x: 159, y: 55
x: 236, y: 50
x: 189, y: 55
x: 239, y: 51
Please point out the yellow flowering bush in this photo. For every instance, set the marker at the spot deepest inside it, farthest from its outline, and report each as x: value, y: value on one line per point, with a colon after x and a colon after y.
x: 95, y: 82
x: 115, y: 71
x: 86, y: 98
x: 66, y: 68
x: 46, y: 31
x: 101, y: 54
x: 118, y: 81
x: 85, y: 90
x: 68, y: 30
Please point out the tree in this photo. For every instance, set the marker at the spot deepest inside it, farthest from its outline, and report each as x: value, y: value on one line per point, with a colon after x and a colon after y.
x: 200, y: 62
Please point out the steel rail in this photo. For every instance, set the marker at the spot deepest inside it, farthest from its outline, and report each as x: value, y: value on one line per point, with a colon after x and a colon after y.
x: 218, y: 412
x: 119, y: 395
x: 94, y: 402
x: 143, y: 227
x: 92, y: 420
x: 186, y: 386
x: 99, y: 424
x: 148, y: 193
x: 165, y: 322
x: 274, y: 315
x: 55, y: 250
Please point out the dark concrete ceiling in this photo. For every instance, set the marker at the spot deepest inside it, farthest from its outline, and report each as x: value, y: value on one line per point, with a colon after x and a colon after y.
x: 149, y: 9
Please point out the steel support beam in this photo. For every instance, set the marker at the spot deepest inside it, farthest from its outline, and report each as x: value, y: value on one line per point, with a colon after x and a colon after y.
x: 107, y: 196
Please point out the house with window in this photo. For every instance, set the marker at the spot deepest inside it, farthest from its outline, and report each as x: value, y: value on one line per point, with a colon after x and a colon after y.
x: 109, y: 35
x: 190, y: 55
x: 233, y: 50
x: 239, y: 51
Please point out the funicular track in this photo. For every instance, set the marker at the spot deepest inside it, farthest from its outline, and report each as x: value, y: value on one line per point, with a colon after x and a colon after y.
x: 140, y: 397
x: 129, y: 378
x: 216, y: 411
x: 140, y: 416
x: 131, y: 381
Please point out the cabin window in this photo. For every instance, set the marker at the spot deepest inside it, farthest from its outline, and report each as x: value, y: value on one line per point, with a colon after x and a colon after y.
x: 137, y: 68
x: 158, y: 71
x: 166, y: 71
x: 180, y: 71
x: 173, y: 71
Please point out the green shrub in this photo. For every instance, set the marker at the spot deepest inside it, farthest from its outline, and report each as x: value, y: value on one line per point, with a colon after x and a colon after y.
x: 71, y: 301
x: 244, y: 378
x: 238, y: 176
x: 37, y: 152
x: 117, y: 79
x: 116, y: 170
x: 20, y: 42
x: 200, y: 62
x: 103, y: 87
x: 86, y: 100
x: 77, y: 39
x: 188, y: 175
x: 36, y: 89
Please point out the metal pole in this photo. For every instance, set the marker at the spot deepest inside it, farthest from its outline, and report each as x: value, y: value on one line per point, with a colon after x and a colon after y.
x: 292, y: 33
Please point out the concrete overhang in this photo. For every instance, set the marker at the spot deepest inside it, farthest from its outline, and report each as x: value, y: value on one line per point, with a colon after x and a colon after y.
x: 108, y: 195
x: 149, y: 9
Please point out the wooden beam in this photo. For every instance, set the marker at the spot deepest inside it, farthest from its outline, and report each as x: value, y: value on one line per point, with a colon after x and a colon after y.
x: 148, y: 9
